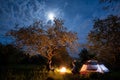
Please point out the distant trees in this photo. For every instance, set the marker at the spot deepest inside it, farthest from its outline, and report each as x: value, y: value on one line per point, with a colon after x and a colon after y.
x: 104, y: 39
x: 10, y: 55
x: 44, y: 39
x: 85, y: 55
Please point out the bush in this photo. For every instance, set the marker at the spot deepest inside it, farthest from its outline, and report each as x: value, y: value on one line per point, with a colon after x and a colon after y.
x: 23, y: 73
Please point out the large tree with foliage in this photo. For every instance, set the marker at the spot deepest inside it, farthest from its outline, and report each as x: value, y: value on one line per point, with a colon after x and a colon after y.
x: 105, y: 39
x: 44, y: 39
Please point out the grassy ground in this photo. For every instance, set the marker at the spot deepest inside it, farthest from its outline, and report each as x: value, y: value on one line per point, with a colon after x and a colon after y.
x: 93, y: 76
x: 29, y: 72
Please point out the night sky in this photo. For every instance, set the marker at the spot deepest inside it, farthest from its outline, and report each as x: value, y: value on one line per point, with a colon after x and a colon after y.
x: 77, y: 14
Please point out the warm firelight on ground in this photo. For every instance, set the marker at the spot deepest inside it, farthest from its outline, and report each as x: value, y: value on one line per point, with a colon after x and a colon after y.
x: 63, y: 70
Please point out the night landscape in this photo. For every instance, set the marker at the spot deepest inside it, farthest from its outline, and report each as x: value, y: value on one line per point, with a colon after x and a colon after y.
x: 59, y: 39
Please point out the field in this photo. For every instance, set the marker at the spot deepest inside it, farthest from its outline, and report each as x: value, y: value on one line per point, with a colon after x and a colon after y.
x: 30, y: 72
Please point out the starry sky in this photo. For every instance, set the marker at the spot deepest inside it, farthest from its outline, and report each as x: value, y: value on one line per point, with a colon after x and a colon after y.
x: 78, y: 15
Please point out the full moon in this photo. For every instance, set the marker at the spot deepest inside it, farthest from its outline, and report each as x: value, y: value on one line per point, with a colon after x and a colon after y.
x: 51, y: 16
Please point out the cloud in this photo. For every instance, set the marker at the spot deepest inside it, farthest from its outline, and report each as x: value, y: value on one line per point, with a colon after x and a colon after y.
x: 65, y: 4
x: 22, y: 12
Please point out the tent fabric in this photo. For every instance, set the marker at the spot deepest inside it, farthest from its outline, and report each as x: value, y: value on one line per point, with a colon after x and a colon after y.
x: 93, y: 66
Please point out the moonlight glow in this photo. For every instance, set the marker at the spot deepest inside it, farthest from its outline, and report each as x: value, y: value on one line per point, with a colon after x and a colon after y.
x: 51, y: 16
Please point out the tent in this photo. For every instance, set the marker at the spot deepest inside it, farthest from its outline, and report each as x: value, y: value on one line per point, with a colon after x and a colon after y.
x: 93, y: 66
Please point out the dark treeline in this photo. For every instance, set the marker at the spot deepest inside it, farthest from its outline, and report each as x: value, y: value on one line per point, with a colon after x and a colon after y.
x: 10, y: 55
x: 17, y: 65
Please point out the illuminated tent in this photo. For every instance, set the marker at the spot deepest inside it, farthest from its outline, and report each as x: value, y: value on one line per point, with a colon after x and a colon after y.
x: 93, y: 66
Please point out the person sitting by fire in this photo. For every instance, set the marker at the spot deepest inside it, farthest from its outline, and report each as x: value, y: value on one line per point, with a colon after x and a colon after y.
x: 75, y: 69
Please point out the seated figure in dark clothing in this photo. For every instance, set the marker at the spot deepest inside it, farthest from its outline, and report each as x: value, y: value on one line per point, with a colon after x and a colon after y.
x: 75, y: 69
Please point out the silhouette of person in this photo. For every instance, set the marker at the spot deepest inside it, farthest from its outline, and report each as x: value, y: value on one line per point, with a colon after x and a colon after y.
x: 75, y: 67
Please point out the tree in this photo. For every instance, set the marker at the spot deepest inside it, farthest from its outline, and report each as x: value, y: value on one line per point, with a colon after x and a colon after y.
x: 44, y: 39
x: 85, y: 55
x: 104, y: 39
x: 63, y: 58
x: 9, y: 54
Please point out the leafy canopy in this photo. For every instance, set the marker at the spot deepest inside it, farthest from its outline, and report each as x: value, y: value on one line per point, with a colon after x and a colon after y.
x: 45, y: 39
x: 104, y: 39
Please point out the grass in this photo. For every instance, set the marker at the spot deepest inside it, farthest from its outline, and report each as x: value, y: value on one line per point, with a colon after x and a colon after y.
x: 35, y: 72
x: 93, y: 76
